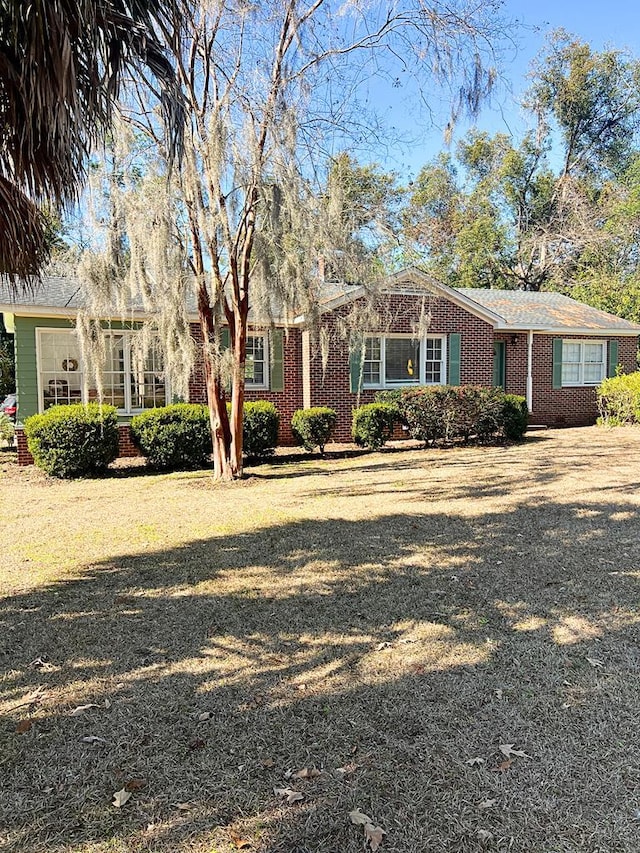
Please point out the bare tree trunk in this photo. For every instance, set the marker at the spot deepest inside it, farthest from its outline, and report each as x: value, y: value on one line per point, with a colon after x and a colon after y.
x: 237, y: 394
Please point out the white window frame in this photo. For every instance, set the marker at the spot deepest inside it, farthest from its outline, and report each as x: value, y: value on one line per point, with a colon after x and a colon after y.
x: 250, y: 385
x: 127, y: 333
x: 421, y: 380
x: 582, y: 343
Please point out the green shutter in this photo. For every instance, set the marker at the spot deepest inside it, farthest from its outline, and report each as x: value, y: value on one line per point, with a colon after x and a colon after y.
x: 225, y: 338
x: 557, y: 362
x: 613, y: 358
x: 355, y: 367
x: 454, y: 359
x: 277, y: 360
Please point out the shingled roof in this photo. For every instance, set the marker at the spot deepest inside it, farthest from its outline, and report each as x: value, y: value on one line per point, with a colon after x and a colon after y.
x: 545, y: 311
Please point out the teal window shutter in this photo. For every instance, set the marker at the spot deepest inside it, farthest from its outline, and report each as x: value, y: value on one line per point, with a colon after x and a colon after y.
x: 355, y: 368
x: 277, y: 360
x: 613, y: 358
x: 454, y: 359
x: 557, y: 362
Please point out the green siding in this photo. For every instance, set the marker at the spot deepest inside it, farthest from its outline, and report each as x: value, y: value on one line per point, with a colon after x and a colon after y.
x: 557, y: 362
x: 613, y: 358
x: 26, y: 363
x: 454, y: 359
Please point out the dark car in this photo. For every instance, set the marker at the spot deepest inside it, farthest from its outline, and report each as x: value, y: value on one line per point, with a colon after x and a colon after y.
x: 9, y: 406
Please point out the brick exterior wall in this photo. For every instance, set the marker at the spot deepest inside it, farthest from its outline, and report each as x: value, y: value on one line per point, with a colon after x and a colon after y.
x: 24, y: 457
x: 398, y: 313
x: 126, y: 447
x: 286, y: 402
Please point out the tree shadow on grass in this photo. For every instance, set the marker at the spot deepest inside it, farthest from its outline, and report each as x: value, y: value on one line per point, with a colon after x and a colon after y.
x: 396, y: 649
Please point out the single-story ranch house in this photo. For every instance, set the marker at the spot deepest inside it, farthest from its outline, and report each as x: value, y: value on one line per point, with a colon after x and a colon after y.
x: 545, y: 346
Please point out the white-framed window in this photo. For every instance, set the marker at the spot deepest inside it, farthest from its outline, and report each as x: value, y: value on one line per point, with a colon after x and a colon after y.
x: 583, y: 362
x: 132, y: 378
x: 256, y: 369
x: 397, y: 360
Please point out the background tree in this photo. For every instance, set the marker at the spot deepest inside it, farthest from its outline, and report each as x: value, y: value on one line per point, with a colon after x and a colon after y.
x: 269, y: 88
x: 61, y: 66
x: 538, y: 213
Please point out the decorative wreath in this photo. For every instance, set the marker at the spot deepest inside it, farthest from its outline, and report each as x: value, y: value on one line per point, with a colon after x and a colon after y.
x: 70, y: 364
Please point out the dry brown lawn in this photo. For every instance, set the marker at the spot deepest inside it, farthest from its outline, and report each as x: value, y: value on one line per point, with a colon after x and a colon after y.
x: 390, y: 620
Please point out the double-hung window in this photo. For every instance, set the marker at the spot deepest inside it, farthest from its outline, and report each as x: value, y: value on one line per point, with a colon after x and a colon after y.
x: 583, y: 362
x: 398, y: 360
x: 256, y: 370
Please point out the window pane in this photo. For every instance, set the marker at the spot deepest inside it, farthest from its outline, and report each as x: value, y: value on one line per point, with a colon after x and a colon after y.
x: 402, y: 362
x: 570, y: 373
x: 371, y: 373
x: 60, y: 368
x: 372, y: 349
x: 254, y: 369
x: 593, y: 373
x: 113, y: 378
x: 571, y: 352
x: 593, y: 353
x: 147, y: 378
x: 433, y: 350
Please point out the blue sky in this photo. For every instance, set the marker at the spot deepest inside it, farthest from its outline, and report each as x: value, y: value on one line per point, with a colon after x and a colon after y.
x: 608, y: 23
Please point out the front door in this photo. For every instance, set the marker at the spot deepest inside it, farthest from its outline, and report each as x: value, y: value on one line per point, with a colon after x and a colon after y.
x: 499, y: 364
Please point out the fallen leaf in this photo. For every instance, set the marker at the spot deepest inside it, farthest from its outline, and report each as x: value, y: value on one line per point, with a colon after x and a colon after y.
x: 595, y: 663
x: 507, y: 750
x: 288, y: 795
x: 502, y: 767
x: 238, y: 842
x: 475, y: 762
x: 198, y: 743
x: 81, y: 709
x: 93, y: 739
x: 136, y: 784
x: 566, y: 706
x: 307, y: 773
x: 23, y: 727
x: 498, y: 693
x: 487, y: 804
x: 373, y: 836
x: 383, y: 645
x: 484, y: 835
x: 206, y: 715
x: 267, y: 762
x: 341, y: 772
x: 121, y: 797
x: 107, y: 704
x: 359, y: 818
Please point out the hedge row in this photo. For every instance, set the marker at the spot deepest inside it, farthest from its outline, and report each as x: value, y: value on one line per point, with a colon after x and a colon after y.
x: 619, y: 400
x: 77, y: 440
x: 442, y: 413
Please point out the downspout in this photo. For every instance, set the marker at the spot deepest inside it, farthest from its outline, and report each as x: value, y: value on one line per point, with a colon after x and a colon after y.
x: 530, y: 370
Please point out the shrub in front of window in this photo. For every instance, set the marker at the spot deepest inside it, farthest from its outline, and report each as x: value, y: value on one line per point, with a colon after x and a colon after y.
x: 73, y: 441
x: 619, y: 400
x: 7, y: 430
x: 173, y: 438
x: 313, y: 427
x: 260, y: 428
x: 373, y: 424
x: 447, y: 413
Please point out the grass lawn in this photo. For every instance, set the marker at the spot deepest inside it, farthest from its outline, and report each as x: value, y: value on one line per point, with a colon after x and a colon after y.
x: 390, y: 620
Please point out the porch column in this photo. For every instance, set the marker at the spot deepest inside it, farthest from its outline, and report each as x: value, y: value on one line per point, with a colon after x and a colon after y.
x: 530, y: 370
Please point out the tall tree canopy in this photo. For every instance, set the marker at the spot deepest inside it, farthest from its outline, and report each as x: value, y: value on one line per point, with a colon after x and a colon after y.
x: 61, y: 67
x: 539, y: 212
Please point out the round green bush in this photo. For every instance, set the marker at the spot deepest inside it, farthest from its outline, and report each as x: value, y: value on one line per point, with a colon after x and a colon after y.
x: 173, y: 438
x: 313, y: 427
x: 260, y: 428
x: 373, y: 424
x: 515, y: 417
x: 73, y: 441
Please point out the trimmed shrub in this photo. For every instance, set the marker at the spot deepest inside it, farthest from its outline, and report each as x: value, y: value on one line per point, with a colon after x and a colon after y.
x: 313, y: 427
x: 373, y: 424
x: 73, y: 441
x: 450, y: 413
x: 619, y: 400
x: 260, y: 428
x: 515, y: 417
x: 173, y: 438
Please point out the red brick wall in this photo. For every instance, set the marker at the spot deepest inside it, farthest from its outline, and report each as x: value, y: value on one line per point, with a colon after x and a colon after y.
x: 125, y: 446
x: 24, y: 457
x: 396, y: 314
x: 286, y: 402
